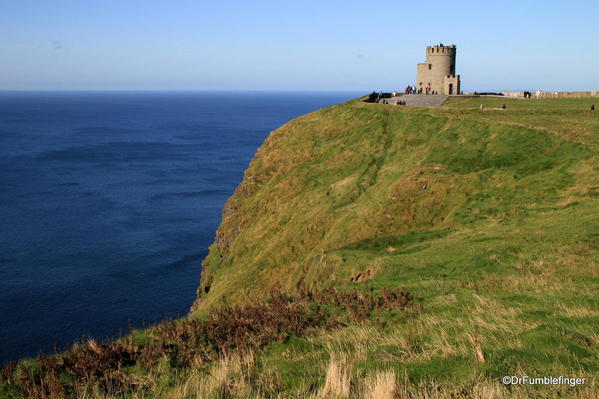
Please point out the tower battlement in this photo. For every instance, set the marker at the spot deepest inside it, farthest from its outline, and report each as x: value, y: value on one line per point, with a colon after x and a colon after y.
x: 441, y: 50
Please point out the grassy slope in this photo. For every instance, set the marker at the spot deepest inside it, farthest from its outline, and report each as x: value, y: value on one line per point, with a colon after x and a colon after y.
x: 491, y: 218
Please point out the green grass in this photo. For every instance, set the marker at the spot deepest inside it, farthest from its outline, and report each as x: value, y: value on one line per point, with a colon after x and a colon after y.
x: 490, y: 218
x: 358, y: 173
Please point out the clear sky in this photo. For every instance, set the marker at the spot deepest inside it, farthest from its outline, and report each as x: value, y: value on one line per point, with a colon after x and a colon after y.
x: 294, y: 45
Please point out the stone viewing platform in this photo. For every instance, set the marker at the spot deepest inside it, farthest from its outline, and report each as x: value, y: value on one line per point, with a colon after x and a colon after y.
x: 416, y: 100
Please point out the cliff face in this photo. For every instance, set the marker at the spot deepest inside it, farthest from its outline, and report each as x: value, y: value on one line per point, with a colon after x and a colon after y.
x: 360, y: 192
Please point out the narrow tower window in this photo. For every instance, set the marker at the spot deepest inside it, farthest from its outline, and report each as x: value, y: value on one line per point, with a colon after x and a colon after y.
x: 430, y: 66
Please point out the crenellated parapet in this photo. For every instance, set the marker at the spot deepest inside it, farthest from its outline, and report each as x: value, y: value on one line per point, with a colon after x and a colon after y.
x: 440, y: 49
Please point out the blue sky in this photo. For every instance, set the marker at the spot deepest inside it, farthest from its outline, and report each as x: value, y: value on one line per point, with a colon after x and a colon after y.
x: 293, y: 45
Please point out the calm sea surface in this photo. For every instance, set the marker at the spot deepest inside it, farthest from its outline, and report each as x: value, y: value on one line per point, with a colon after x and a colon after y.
x: 109, y: 201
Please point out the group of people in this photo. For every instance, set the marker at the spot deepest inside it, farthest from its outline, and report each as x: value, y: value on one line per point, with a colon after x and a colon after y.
x: 413, y: 90
x: 429, y: 90
x: 538, y: 94
x: 397, y: 102
x: 528, y: 94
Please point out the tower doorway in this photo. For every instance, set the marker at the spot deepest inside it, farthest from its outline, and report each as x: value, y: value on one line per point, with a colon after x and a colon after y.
x: 450, y: 92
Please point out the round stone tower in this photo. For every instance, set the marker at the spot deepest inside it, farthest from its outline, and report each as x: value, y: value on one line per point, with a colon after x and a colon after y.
x: 439, y: 71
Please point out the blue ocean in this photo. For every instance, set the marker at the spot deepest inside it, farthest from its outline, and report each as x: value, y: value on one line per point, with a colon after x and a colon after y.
x: 109, y: 201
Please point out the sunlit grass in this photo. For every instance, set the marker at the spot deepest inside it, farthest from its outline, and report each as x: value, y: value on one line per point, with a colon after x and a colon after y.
x: 489, y: 216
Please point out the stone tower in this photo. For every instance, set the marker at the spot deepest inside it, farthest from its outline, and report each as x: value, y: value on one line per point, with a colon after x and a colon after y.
x: 439, y: 71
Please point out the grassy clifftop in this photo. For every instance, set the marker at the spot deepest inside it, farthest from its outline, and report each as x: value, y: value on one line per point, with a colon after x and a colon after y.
x: 490, y: 218
x: 432, y: 200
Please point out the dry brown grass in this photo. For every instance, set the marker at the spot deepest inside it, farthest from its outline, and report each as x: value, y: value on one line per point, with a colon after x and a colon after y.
x: 578, y: 311
x: 491, y: 315
x: 338, y: 378
x: 383, y: 385
x: 228, y: 377
x: 218, y: 343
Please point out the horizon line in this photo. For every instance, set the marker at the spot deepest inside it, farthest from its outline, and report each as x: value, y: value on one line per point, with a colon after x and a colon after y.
x: 186, y: 90
x: 367, y: 91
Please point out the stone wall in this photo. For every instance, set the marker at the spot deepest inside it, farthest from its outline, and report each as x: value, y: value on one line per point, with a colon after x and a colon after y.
x: 554, y: 94
x: 452, y: 85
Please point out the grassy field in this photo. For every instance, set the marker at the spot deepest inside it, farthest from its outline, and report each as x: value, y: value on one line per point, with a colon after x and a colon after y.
x: 489, y: 219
